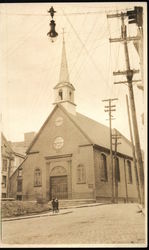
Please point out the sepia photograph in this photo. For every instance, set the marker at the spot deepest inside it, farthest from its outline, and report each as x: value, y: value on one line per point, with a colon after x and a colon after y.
x: 73, y: 124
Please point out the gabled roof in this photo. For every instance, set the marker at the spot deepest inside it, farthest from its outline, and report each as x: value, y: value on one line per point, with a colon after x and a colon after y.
x: 68, y: 114
x: 95, y: 132
x: 99, y: 134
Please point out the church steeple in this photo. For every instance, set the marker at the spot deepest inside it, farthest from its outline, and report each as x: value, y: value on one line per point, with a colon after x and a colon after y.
x: 64, y: 90
x: 64, y: 74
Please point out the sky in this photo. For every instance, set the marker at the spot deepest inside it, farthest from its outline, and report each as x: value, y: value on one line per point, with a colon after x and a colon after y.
x: 30, y: 64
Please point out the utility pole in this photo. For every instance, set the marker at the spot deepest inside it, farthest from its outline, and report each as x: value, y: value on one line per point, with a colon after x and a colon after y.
x: 133, y: 152
x: 125, y: 180
x: 136, y: 16
x: 110, y: 109
x: 129, y: 75
x: 116, y: 137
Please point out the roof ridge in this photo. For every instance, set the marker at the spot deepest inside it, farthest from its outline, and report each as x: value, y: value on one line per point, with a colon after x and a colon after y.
x: 92, y: 120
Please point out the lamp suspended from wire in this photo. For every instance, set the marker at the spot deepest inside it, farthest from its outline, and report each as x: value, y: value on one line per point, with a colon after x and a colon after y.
x: 52, y: 33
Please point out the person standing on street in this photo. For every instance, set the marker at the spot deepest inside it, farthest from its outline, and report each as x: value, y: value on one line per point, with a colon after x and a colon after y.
x: 53, y: 205
x: 56, y: 205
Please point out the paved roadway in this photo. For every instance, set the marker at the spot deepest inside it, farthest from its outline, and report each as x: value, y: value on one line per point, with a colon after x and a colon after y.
x: 104, y: 224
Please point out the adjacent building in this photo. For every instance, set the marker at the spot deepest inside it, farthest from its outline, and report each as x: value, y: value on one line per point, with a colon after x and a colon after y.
x: 10, y: 160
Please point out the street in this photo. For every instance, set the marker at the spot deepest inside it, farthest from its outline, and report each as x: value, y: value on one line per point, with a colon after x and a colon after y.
x: 104, y: 224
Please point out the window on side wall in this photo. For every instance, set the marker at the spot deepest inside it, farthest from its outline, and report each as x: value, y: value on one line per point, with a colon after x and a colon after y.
x: 20, y: 172
x: 19, y: 185
x: 4, y: 166
x: 37, y: 177
x: 81, y: 174
x: 103, y: 168
x: 4, y: 181
x: 129, y: 171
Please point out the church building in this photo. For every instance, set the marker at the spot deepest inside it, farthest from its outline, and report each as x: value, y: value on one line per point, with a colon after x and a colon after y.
x: 69, y: 158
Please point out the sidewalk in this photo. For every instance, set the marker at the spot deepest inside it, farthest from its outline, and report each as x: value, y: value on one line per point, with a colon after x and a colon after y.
x: 62, y: 211
x: 36, y: 215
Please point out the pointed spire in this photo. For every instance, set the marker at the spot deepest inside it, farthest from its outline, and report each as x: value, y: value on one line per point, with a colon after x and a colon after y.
x: 64, y: 74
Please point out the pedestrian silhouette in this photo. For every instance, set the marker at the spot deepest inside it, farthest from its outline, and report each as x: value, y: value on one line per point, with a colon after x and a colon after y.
x: 56, y: 205
x: 53, y: 205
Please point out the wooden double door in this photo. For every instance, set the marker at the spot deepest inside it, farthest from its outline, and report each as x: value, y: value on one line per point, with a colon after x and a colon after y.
x: 58, y: 187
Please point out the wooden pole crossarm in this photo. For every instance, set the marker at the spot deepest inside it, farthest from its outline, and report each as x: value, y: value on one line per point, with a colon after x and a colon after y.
x: 125, y: 72
x: 117, y: 143
x: 116, y: 15
x: 109, y: 110
x: 116, y: 136
x: 105, y: 100
x: 123, y: 82
x: 128, y: 39
x: 110, y: 106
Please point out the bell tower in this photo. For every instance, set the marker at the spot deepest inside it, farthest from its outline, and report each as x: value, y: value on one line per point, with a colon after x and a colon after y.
x: 64, y: 90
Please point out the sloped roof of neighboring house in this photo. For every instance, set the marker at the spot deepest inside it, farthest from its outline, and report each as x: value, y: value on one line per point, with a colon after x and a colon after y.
x: 10, y: 147
x: 94, y: 131
x: 6, y: 143
x: 19, y: 147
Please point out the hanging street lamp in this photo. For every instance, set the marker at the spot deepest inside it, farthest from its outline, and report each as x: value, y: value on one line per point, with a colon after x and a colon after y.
x: 52, y: 33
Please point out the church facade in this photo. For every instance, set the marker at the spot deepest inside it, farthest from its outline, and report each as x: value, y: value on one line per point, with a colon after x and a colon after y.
x: 69, y: 158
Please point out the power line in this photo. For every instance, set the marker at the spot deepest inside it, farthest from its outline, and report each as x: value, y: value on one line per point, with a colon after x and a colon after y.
x: 10, y: 51
x: 68, y: 14
x: 86, y: 50
x: 80, y: 52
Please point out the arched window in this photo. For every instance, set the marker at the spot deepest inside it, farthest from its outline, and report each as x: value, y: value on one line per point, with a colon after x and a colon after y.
x: 19, y: 185
x: 103, y: 168
x: 20, y: 172
x: 129, y: 171
x: 60, y: 94
x: 81, y: 174
x: 37, y: 177
x: 70, y: 95
x: 117, y: 169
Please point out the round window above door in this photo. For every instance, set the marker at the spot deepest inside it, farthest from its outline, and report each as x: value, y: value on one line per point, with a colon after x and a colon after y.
x: 58, y: 142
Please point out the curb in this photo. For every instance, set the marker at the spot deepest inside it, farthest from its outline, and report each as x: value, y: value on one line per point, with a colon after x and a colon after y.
x: 33, y: 216
x: 86, y: 205
x: 51, y: 214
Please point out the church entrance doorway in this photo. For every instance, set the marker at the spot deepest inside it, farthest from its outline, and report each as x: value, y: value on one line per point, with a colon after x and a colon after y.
x: 58, y: 187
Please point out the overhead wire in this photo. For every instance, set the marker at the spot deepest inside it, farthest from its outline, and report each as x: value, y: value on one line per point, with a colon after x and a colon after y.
x: 44, y: 82
x: 85, y: 62
x: 82, y: 47
x: 71, y: 13
x: 86, y: 50
x: 11, y: 50
x: 79, y: 53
